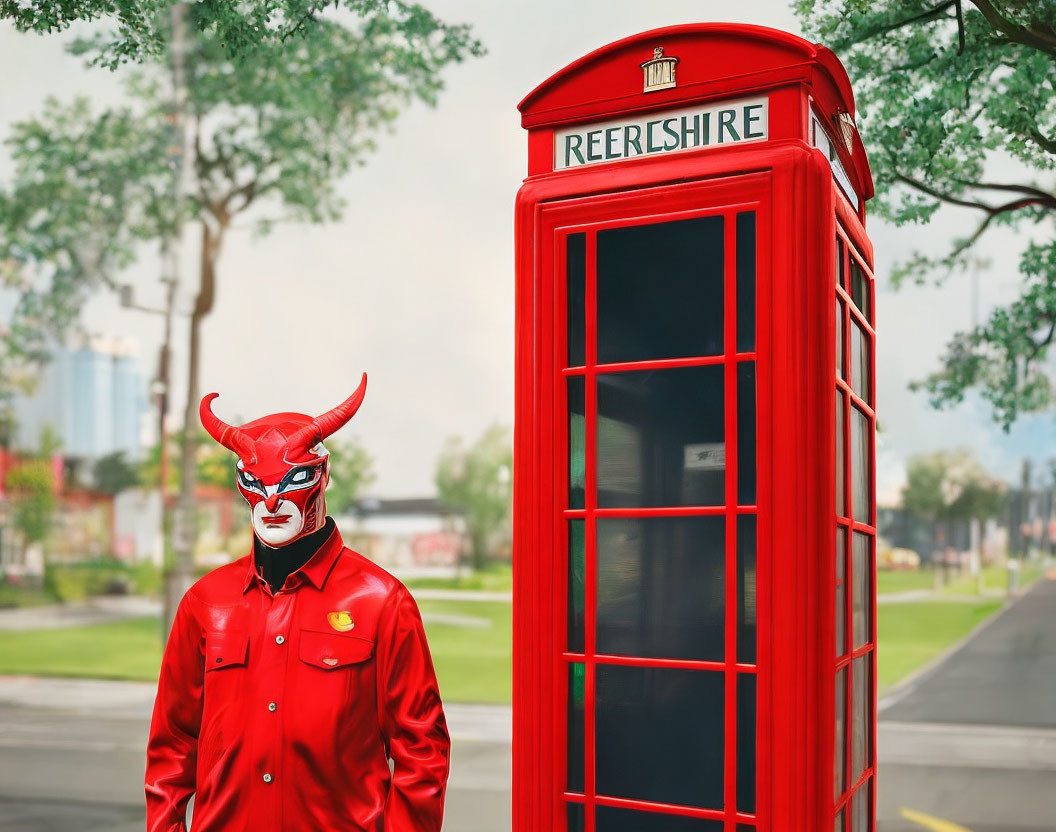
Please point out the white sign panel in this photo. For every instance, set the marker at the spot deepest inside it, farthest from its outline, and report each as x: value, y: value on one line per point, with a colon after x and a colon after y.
x: 705, y: 456
x: 727, y: 122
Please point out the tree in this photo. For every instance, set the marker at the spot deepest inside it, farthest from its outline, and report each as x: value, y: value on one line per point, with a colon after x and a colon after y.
x: 351, y: 470
x: 272, y: 130
x: 476, y: 481
x: 31, y: 485
x: 113, y: 473
x: 951, y: 485
x: 944, y: 87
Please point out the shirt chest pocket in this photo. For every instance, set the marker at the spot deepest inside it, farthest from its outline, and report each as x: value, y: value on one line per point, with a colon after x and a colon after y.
x: 225, y: 648
x: 332, y: 651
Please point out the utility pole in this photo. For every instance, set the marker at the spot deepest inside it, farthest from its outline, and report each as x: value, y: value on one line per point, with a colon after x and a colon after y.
x: 178, y: 573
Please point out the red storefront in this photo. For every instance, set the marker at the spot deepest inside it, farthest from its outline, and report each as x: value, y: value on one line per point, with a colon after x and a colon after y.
x: 694, y: 603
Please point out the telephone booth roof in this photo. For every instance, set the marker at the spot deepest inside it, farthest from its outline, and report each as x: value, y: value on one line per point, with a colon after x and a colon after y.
x: 715, y: 61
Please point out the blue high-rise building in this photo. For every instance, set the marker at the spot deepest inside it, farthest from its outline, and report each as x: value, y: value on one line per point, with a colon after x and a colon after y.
x: 92, y: 397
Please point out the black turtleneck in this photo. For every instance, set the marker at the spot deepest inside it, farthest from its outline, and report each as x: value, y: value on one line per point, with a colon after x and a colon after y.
x: 277, y: 563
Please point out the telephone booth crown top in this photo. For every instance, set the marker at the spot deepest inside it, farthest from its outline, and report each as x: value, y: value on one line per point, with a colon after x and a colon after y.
x: 680, y: 66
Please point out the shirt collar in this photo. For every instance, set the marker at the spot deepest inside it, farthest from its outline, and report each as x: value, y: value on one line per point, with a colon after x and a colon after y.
x: 316, y: 569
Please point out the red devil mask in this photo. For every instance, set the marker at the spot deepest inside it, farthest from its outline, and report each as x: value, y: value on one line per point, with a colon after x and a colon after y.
x: 283, y: 468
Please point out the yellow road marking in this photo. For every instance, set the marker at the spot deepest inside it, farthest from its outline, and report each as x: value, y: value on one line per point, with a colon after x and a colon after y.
x: 931, y: 823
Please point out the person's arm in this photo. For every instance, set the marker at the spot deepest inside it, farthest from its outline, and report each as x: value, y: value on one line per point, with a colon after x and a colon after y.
x: 172, y: 745
x: 412, y: 719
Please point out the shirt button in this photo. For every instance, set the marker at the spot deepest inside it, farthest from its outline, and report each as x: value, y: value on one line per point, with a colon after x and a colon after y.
x: 267, y: 778
x: 272, y: 706
x: 279, y: 639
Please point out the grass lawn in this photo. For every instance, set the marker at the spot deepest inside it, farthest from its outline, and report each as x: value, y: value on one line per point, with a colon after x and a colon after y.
x: 472, y: 662
x: 889, y: 581
x: 909, y: 635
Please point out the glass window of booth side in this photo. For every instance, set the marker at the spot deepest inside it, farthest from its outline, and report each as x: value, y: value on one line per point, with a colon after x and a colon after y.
x: 854, y: 755
x: 659, y: 377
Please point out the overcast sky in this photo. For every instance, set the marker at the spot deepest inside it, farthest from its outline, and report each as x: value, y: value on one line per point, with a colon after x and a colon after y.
x: 415, y: 284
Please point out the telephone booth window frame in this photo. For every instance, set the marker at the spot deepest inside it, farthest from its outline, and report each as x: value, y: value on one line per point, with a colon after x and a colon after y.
x: 730, y: 197
x: 855, y: 665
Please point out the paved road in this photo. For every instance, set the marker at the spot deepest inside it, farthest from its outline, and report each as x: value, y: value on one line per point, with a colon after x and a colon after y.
x: 973, y: 740
x: 71, y: 757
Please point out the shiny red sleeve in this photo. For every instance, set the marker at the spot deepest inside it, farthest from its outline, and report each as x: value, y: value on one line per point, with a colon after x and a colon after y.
x: 412, y: 719
x: 172, y: 744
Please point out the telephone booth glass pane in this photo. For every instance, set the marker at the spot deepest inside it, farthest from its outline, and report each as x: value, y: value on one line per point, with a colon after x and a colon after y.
x: 861, y: 468
x: 746, y: 433
x: 746, y: 282
x: 576, y: 585
x: 746, y: 694
x: 577, y: 442
x: 839, y: 339
x: 577, y: 821
x: 613, y: 819
x: 859, y: 362
x: 660, y: 290
x: 659, y: 734
x: 841, y: 591
x: 863, y: 584
x: 841, y: 484
x: 746, y: 578
x: 839, y: 757
x: 660, y: 587
x: 576, y: 726
x: 860, y: 804
x: 861, y: 726
x: 660, y: 437
x: 860, y: 289
x: 576, y: 253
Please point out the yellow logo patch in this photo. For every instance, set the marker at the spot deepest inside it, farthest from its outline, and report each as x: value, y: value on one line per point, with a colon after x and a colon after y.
x: 341, y: 620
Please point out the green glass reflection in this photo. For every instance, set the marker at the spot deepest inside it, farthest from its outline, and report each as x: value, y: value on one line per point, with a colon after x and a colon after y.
x: 576, y: 585
x: 577, y: 443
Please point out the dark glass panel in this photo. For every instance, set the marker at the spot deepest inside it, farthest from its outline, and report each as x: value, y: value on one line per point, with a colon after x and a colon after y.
x: 611, y: 819
x: 746, y: 621
x: 860, y: 362
x: 861, y: 724
x: 861, y: 807
x: 746, y: 433
x: 862, y: 577
x: 840, y: 275
x: 661, y: 587
x: 841, y: 591
x: 746, y: 708
x: 841, y: 483
x: 839, y: 755
x: 861, y: 465
x: 660, y: 290
x: 576, y: 277
x: 839, y: 339
x: 659, y: 734
x: 577, y: 442
x: 576, y: 726
x: 576, y: 585
x: 660, y: 438
x: 746, y: 282
x: 860, y: 290
x: 576, y: 817
x: 839, y: 825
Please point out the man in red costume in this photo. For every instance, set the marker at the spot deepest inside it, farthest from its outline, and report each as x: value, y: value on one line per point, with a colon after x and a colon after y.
x: 294, y: 674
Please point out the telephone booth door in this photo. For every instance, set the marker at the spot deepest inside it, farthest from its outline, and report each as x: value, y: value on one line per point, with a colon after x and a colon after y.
x: 655, y: 317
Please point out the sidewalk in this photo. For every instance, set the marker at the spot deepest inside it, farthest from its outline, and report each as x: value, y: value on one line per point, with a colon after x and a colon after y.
x: 135, y: 700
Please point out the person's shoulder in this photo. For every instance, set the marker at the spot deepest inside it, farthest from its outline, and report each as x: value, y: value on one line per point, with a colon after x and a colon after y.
x: 223, y: 585
x: 363, y: 570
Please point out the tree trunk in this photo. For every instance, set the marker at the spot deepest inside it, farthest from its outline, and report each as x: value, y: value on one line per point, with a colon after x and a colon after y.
x: 185, y: 527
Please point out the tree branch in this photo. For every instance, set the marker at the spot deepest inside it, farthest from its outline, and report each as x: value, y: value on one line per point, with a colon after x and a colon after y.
x: 1016, y: 189
x: 1042, y: 41
x: 928, y: 14
x: 1046, y: 200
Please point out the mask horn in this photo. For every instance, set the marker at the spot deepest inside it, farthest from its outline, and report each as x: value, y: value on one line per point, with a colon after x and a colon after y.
x: 227, y: 435
x: 322, y: 426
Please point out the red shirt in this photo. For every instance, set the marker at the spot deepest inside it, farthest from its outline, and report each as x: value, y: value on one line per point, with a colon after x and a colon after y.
x: 279, y: 712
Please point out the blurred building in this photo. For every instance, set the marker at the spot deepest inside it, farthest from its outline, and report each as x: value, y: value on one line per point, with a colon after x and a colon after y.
x: 91, y: 396
x: 408, y: 536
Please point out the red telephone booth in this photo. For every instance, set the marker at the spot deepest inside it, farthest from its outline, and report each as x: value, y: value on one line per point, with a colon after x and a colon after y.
x: 694, y: 614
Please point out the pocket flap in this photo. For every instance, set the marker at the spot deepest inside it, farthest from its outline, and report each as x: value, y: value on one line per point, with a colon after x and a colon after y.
x: 224, y: 648
x: 329, y: 650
